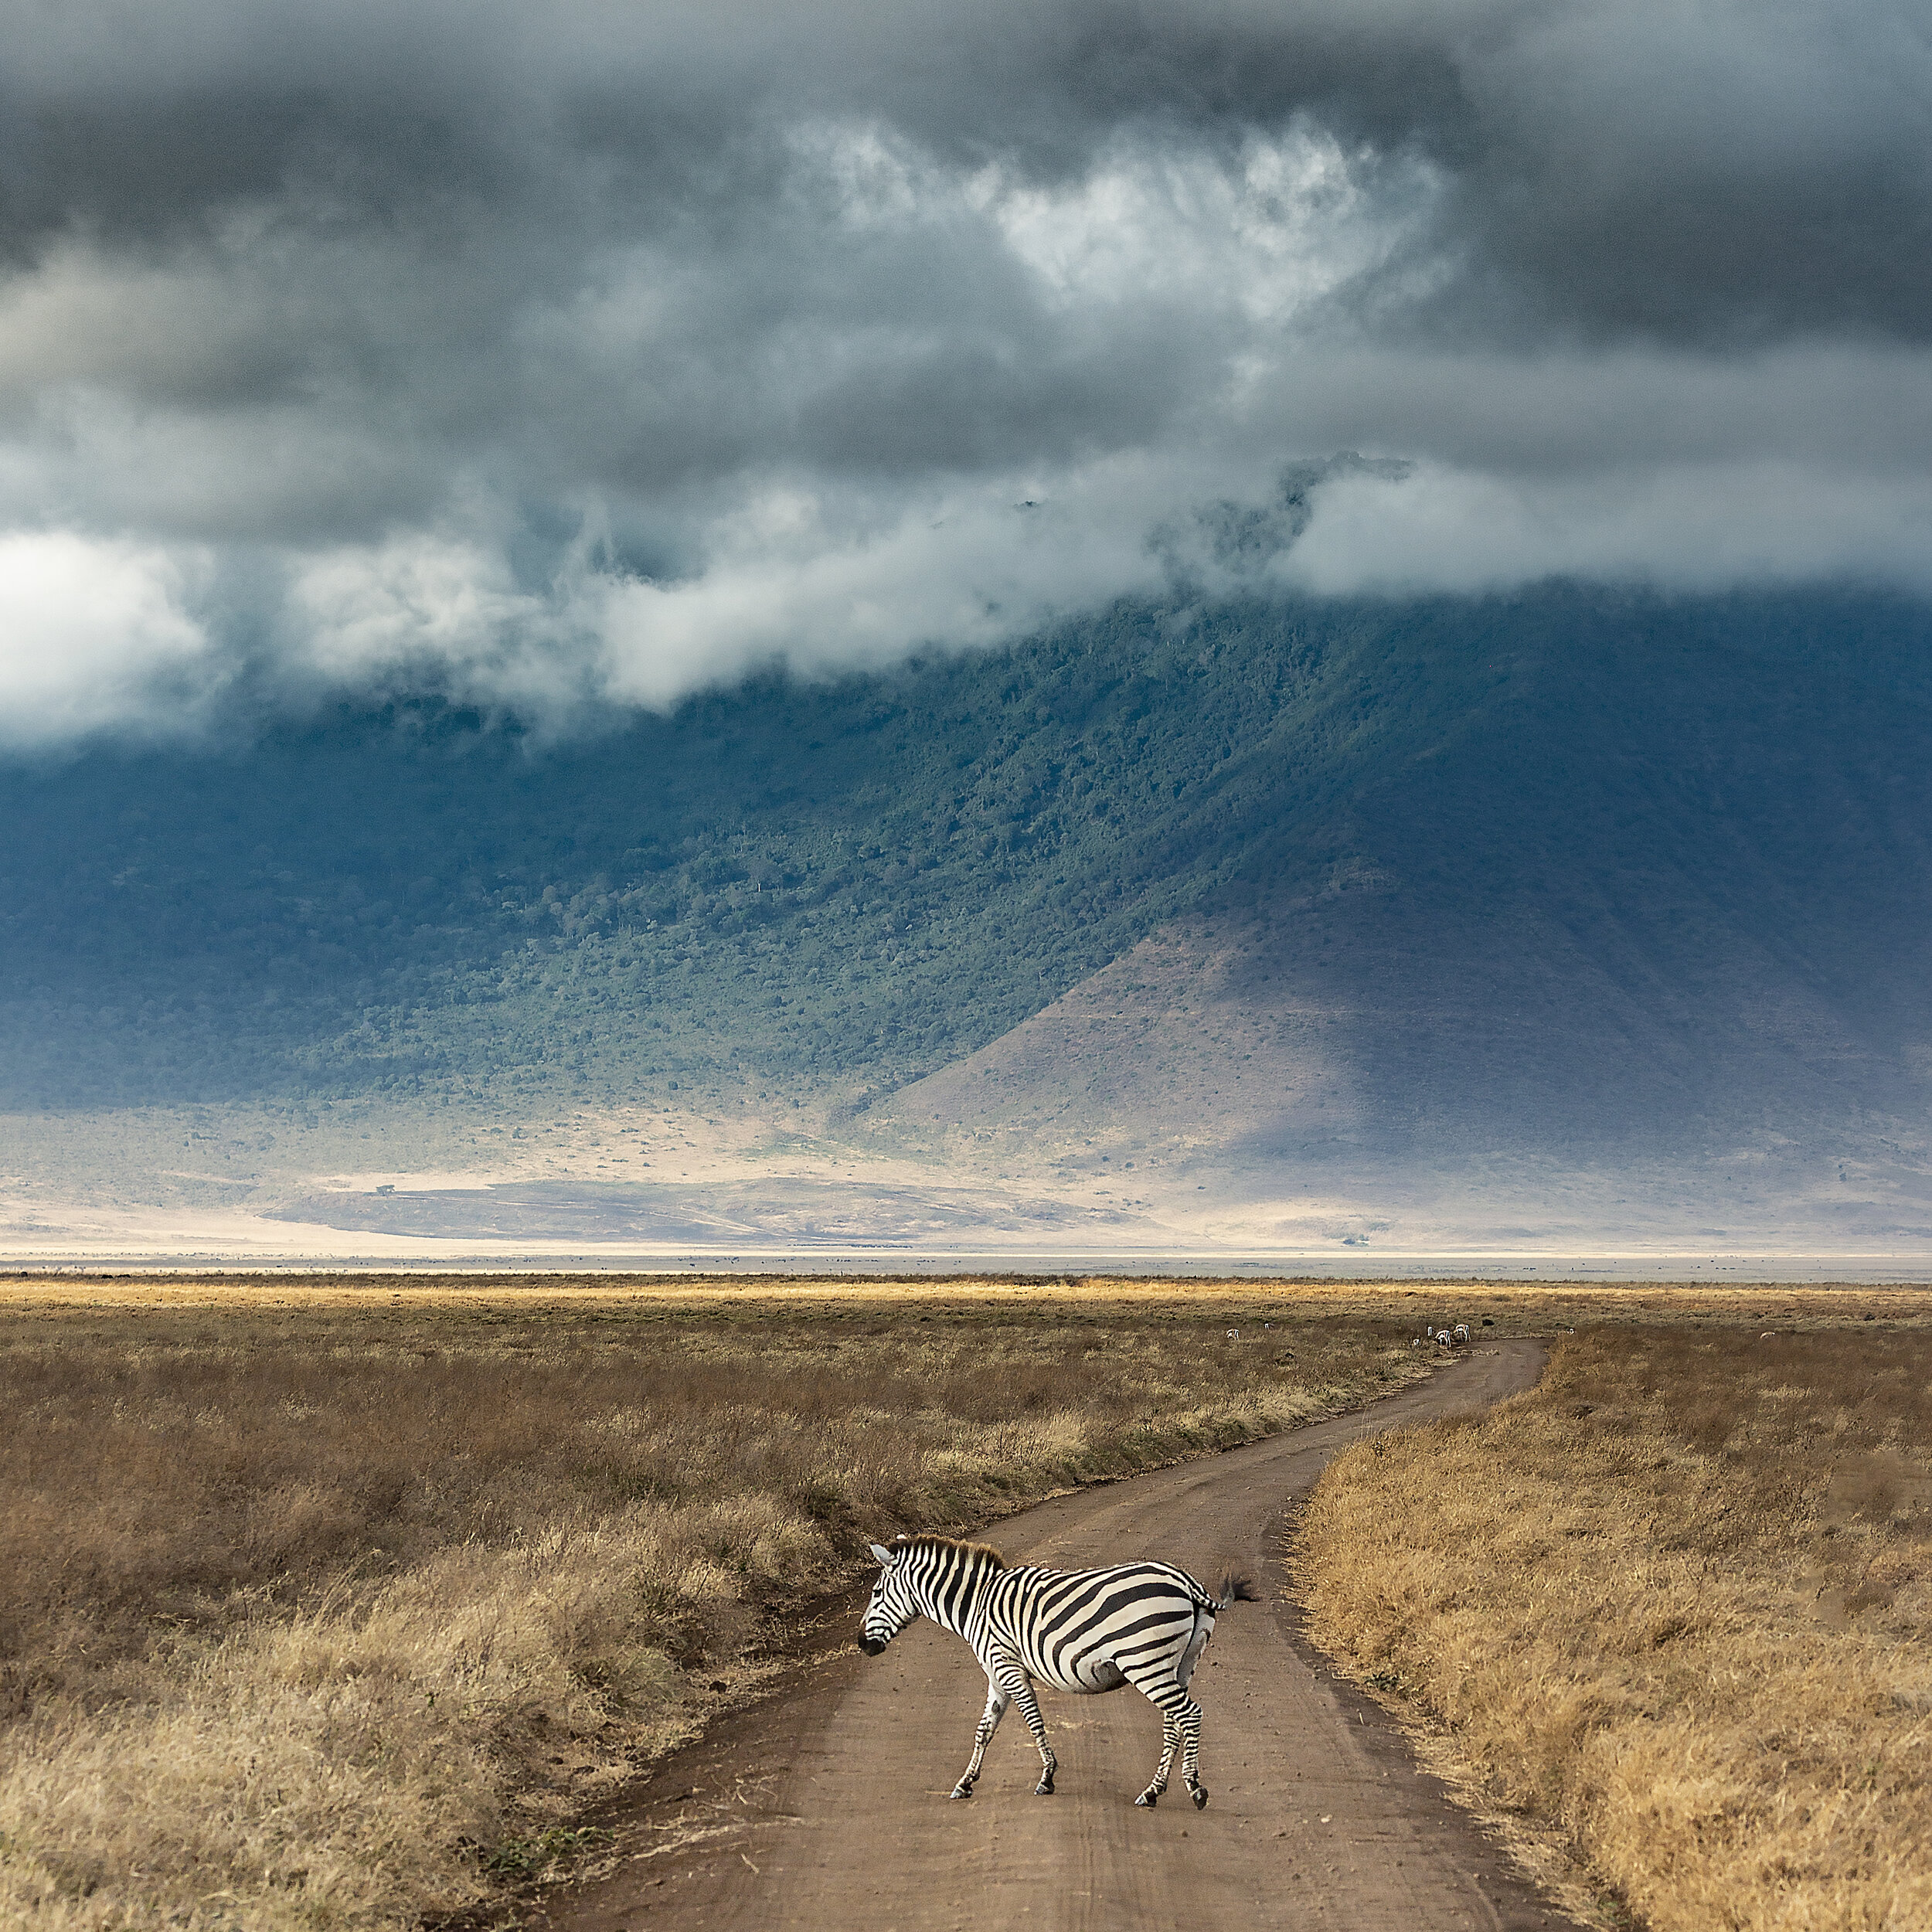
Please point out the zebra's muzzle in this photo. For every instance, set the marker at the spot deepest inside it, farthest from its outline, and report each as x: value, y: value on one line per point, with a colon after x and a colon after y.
x: 871, y: 1646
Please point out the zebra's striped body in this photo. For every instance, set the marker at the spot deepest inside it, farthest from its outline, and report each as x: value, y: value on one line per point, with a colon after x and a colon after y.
x: 1083, y: 1630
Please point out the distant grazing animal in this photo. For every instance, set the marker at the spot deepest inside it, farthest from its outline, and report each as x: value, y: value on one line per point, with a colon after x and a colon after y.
x: 1462, y: 1332
x: 1084, y: 1630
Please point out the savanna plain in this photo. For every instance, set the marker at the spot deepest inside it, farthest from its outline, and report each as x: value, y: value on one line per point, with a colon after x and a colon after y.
x: 343, y: 1601
x: 1670, y: 1611
x: 331, y: 1605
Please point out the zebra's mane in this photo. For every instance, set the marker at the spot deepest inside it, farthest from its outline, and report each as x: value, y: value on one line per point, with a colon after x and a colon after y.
x: 985, y: 1552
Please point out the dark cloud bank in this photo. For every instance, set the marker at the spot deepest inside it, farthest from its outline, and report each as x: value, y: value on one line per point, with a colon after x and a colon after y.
x: 595, y: 351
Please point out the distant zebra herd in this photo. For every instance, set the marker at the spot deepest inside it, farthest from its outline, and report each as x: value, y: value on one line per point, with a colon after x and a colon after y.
x: 1084, y: 1630
x: 1455, y: 1337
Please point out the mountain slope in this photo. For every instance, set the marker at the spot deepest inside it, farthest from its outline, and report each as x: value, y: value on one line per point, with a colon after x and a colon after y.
x: 863, y: 879
x: 1378, y: 888
x: 1648, y: 876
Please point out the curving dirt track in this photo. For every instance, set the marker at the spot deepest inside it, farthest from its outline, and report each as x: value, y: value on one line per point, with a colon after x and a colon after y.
x: 827, y: 1808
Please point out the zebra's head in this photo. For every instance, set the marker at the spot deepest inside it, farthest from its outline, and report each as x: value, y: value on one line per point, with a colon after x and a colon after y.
x: 892, y: 1608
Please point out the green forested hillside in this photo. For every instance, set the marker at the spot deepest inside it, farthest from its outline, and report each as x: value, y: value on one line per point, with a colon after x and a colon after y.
x: 813, y: 880
x: 849, y: 884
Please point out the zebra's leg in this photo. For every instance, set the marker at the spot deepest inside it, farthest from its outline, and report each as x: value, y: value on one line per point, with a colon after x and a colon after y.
x: 1021, y: 1690
x: 1170, y: 1743
x: 1189, y: 1718
x: 988, y: 1723
x: 1180, y: 1725
x: 1190, y: 1724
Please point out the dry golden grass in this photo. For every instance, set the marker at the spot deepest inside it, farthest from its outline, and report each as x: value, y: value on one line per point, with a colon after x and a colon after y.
x: 317, y: 1600
x: 1513, y: 1306
x: 1676, y: 1604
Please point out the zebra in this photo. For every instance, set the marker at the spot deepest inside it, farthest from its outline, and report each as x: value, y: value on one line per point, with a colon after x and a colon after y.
x: 1084, y: 1630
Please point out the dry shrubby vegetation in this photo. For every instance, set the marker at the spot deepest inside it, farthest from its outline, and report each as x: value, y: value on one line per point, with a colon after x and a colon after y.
x: 311, y: 1614
x: 1676, y: 1603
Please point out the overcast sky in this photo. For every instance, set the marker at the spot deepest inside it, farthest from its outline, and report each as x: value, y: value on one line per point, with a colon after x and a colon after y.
x: 574, y: 352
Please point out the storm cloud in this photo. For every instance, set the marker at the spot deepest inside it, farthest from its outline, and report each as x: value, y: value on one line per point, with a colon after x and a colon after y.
x: 563, y: 355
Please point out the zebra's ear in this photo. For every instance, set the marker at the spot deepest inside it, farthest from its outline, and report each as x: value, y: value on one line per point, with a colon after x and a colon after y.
x: 879, y: 1550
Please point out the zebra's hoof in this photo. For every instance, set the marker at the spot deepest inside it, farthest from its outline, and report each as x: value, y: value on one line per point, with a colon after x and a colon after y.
x: 1148, y: 1798
x: 962, y: 1791
x: 1044, y: 1788
x: 1198, y: 1793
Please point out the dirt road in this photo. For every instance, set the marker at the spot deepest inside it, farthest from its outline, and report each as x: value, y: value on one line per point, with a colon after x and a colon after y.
x: 827, y: 1809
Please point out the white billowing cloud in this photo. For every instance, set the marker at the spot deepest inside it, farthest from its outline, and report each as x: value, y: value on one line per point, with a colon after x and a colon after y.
x: 438, y: 608
x: 95, y: 635
x: 1701, y: 527
x: 813, y: 579
x: 787, y: 583
x: 1262, y: 234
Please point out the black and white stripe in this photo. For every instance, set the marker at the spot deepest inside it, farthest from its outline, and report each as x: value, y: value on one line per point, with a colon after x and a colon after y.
x: 1084, y: 1631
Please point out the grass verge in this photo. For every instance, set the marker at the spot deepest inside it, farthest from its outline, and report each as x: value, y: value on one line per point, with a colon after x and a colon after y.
x: 1675, y: 1605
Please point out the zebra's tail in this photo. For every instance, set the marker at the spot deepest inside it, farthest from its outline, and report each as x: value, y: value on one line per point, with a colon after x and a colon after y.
x: 1235, y: 1589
